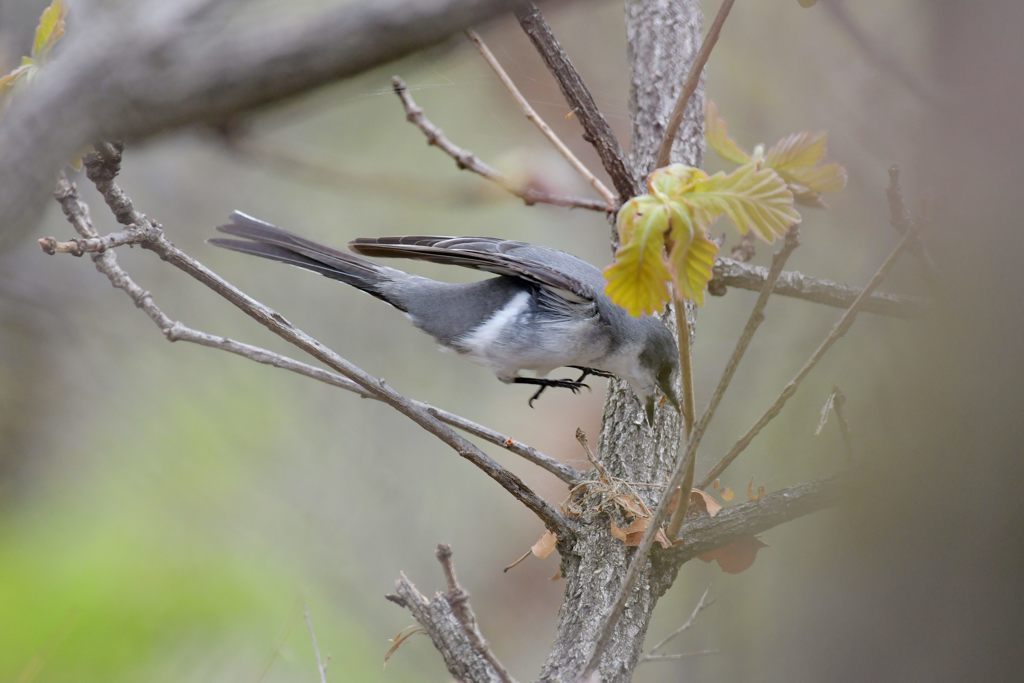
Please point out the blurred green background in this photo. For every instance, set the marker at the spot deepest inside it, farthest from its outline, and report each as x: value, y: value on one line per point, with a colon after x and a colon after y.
x: 167, y: 511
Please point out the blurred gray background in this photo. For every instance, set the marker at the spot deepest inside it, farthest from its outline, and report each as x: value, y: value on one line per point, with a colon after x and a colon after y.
x: 166, y: 510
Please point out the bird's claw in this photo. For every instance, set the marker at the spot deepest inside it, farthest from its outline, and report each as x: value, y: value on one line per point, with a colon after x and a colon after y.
x: 572, y: 385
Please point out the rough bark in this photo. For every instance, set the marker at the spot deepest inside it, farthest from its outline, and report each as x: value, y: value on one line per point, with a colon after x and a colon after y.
x: 663, y: 38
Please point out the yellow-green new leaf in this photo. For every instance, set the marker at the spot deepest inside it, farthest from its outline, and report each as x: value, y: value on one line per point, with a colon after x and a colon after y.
x: 797, y: 159
x: 692, y: 260
x: 717, y: 135
x: 638, y: 280
x: 49, y: 30
x: 673, y: 181
x: 798, y: 149
x: 753, y: 198
x: 829, y: 177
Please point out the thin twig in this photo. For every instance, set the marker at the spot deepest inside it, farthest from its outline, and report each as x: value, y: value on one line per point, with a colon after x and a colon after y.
x: 458, y: 598
x: 468, y: 161
x: 840, y: 328
x: 742, y: 344
x: 732, y: 273
x: 596, y: 130
x: 690, y: 84
x: 685, y: 363
x: 103, y: 166
x: 535, y: 119
x: 321, y: 664
x: 689, y: 400
x: 677, y: 656
x: 701, y: 605
x: 176, y: 331
x: 91, y: 245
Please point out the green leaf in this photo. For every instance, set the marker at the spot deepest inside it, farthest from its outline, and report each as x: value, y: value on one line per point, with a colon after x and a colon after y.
x: 49, y: 30
x: 638, y: 279
x: 717, y: 135
x: 753, y: 198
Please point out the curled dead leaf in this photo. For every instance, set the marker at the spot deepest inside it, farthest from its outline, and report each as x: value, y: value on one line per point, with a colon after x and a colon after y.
x: 702, y: 502
x: 737, y: 556
x: 545, y: 545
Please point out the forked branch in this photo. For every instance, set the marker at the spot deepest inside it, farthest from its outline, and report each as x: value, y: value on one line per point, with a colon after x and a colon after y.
x: 468, y: 161
x: 451, y: 624
x: 103, y: 167
x: 596, y: 130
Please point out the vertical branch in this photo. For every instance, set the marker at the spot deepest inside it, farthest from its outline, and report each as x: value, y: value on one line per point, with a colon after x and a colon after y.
x: 690, y: 86
x: 742, y: 344
x: 596, y: 130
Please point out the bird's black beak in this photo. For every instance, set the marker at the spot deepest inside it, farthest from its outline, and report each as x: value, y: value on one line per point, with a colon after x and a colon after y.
x: 652, y: 403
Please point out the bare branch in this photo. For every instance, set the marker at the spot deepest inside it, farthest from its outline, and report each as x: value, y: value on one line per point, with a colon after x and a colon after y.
x: 701, y: 605
x: 92, y: 245
x: 321, y: 664
x: 742, y: 344
x: 458, y: 598
x: 449, y: 621
x: 703, y: 534
x: 840, y: 328
x: 536, y: 120
x: 468, y: 161
x: 731, y: 273
x: 596, y: 130
x: 690, y: 85
x: 103, y: 167
x: 108, y: 83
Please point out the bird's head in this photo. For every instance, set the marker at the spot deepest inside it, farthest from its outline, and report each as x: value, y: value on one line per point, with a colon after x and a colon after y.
x: 658, y: 366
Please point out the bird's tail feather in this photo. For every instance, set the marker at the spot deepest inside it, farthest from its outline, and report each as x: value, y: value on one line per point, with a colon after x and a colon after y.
x: 271, y: 242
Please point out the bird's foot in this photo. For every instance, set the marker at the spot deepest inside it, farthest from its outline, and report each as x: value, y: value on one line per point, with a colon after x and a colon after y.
x: 572, y: 385
x: 591, y: 371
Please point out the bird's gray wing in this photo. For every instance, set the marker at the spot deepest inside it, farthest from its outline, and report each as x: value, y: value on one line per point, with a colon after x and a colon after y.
x: 566, y: 284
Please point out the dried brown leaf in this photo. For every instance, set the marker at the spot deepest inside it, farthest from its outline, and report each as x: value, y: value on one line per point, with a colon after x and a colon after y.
x: 736, y: 556
x: 545, y: 545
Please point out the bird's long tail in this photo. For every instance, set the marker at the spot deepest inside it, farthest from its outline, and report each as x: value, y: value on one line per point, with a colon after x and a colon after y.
x: 271, y: 242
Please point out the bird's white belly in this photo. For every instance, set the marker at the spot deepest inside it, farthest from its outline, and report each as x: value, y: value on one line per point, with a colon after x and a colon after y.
x: 499, y: 342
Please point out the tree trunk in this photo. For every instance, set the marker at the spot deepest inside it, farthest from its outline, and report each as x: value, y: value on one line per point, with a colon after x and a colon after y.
x: 663, y: 36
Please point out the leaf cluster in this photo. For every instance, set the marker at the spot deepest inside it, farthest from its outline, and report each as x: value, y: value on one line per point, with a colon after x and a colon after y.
x: 663, y: 234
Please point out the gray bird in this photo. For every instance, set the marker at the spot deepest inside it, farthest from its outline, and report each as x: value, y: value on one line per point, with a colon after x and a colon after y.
x: 546, y: 309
